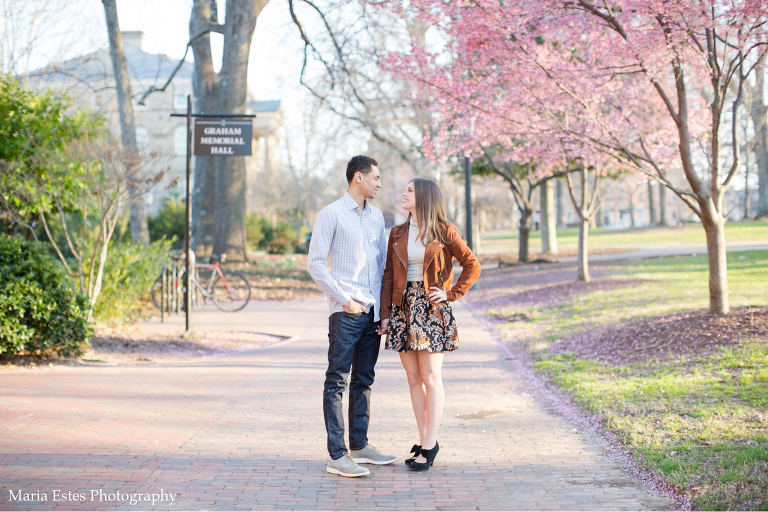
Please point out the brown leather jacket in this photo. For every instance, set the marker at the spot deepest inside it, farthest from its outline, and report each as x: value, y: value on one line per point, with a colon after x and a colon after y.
x: 438, y: 267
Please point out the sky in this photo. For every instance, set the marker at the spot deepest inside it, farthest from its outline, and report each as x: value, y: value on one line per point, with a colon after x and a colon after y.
x: 275, y: 58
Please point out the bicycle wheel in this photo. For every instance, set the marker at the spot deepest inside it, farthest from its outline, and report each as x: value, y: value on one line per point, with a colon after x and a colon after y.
x: 232, y: 293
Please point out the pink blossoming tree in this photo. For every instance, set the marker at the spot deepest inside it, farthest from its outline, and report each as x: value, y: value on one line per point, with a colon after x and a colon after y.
x: 655, y: 85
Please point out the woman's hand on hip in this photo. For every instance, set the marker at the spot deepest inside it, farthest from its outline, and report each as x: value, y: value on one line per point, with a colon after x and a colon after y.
x: 383, y: 327
x: 438, y: 295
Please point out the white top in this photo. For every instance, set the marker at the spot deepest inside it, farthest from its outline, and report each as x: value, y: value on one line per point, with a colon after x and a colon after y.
x: 416, y: 251
x: 356, y: 246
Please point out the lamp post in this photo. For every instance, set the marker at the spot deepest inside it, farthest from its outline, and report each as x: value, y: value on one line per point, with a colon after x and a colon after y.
x: 468, y: 198
x: 468, y: 188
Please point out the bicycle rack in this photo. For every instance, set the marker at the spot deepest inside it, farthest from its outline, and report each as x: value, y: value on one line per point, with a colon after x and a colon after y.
x: 174, y: 306
x: 170, y: 291
x: 163, y: 292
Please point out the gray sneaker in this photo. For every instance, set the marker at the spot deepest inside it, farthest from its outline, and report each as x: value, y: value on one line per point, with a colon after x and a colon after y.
x: 370, y: 455
x: 345, y: 466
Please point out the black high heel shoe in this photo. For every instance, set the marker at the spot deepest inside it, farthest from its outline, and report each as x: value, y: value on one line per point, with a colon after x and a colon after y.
x: 415, y: 450
x: 427, y: 454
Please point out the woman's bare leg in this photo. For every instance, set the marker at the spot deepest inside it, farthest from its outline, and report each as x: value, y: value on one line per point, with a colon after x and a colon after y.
x: 410, y: 362
x: 430, y: 366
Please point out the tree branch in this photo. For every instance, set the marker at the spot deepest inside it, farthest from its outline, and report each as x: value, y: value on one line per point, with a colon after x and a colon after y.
x: 55, y: 245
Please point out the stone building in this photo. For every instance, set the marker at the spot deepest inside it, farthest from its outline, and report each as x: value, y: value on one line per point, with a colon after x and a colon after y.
x: 89, y: 81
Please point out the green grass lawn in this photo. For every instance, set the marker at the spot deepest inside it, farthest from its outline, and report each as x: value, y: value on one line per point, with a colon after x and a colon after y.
x: 690, y: 235
x: 660, y: 286
x: 701, y: 422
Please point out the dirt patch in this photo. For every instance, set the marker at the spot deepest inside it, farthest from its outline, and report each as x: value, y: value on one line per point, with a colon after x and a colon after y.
x: 687, y: 333
x: 277, y: 277
x: 538, y: 284
x: 291, y: 285
x: 131, y: 345
x: 559, y: 293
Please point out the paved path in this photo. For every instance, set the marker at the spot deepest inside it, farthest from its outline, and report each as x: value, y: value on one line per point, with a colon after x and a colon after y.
x: 246, y: 431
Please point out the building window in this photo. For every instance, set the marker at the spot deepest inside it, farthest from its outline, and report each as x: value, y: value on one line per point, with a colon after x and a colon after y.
x: 180, y: 100
x: 180, y: 140
x: 142, y: 137
x: 97, y: 100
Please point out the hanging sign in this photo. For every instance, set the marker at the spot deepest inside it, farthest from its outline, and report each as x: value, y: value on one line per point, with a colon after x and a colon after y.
x: 221, y: 136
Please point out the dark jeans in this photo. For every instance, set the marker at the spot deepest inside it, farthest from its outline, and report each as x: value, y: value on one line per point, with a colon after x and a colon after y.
x: 353, y: 348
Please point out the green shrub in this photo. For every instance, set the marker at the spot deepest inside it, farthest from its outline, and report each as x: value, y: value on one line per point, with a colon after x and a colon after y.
x: 40, y: 309
x: 280, y: 244
x: 254, y: 231
x: 281, y: 239
x: 169, y: 223
x: 129, y: 273
x: 278, y: 239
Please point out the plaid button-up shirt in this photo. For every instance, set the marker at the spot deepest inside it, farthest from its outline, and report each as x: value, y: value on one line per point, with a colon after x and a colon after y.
x: 356, y: 248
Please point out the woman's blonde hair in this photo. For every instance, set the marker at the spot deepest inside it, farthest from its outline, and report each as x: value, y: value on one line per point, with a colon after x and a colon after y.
x: 430, y: 211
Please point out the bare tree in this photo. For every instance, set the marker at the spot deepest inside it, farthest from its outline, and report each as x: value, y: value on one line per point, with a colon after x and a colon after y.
x: 345, y: 45
x: 663, y: 206
x: 652, y: 219
x: 28, y: 26
x: 523, y: 184
x: 139, y: 231
x: 97, y: 169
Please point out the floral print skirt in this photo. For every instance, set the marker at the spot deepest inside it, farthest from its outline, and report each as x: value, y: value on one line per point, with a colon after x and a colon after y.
x: 420, y: 325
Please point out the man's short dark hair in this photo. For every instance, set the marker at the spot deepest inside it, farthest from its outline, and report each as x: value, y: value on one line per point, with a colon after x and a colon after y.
x: 361, y: 164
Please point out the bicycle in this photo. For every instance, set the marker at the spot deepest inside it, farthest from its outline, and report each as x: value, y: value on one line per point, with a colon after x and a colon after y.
x: 229, y: 292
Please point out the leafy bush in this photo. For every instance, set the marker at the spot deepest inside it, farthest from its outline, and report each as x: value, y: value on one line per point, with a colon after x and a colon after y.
x: 40, y: 310
x: 280, y: 244
x: 254, y: 231
x: 277, y: 239
x: 169, y: 223
x: 128, y: 276
x: 282, y: 238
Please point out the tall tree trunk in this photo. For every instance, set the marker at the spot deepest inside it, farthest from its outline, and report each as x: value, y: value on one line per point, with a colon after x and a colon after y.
x: 585, y: 207
x: 582, y: 272
x: 139, y: 231
x: 205, y: 83
x: 652, y: 220
x: 759, y: 113
x: 560, y: 205
x: 525, y: 231
x: 747, y: 199
x: 582, y: 269
x: 714, y: 227
x: 663, y: 206
x: 548, y: 221
x: 230, y: 207
x: 226, y: 92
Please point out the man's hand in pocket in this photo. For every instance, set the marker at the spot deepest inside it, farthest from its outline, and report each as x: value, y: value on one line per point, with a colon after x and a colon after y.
x: 353, y: 307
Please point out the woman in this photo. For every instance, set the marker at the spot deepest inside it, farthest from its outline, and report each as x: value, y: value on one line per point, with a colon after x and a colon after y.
x: 415, y: 313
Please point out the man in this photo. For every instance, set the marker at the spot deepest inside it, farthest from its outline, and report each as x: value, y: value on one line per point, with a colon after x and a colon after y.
x: 351, y: 231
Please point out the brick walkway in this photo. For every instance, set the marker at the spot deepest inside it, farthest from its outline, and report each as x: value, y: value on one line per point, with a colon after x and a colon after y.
x: 246, y: 431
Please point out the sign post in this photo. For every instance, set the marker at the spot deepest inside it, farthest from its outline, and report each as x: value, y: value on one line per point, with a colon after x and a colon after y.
x: 219, y: 135
x: 222, y: 136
